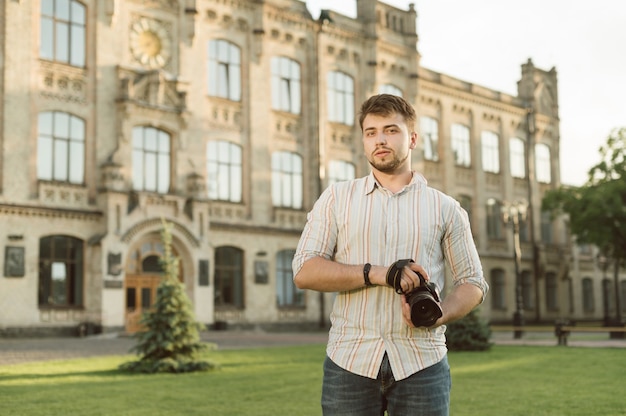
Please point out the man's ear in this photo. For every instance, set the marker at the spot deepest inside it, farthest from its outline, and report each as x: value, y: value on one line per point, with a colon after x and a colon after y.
x: 413, y: 140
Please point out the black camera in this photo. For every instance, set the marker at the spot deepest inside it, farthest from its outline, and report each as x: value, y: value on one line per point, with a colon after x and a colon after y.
x: 423, y: 300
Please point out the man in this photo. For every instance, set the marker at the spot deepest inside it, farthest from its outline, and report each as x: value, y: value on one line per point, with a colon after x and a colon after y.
x: 354, y: 237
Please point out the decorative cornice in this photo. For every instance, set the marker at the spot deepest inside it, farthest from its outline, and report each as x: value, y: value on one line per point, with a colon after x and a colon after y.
x: 46, y: 212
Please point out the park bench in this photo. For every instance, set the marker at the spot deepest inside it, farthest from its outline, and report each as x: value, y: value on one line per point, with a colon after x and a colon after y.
x: 562, y: 330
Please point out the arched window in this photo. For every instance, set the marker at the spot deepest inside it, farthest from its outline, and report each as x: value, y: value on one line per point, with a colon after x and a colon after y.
x: 151, y: 159
x: 62, y: 35
x: 286, y: 85
x: 339, y: 170
x: 224, y: 70
x: 60, y: 147
x: 390, y: 89
x: 287, y: 294
x: 224, y: 171
x: 229, y: 277
x: 340, y: 98
x: 60, y: 271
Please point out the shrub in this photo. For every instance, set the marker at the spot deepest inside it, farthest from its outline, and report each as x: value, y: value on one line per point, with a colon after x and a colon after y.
x: 470, y: 333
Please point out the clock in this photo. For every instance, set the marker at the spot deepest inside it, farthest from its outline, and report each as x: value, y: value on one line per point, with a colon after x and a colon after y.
x: 150, y: 43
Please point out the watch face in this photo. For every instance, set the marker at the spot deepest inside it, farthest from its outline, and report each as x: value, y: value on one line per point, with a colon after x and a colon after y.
x: 149, y: 43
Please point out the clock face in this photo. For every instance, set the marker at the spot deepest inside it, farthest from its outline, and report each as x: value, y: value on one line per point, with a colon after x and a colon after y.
x: 149, y: 43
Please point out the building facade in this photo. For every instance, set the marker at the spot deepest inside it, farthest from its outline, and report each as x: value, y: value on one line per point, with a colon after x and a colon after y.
x: 227, y: 119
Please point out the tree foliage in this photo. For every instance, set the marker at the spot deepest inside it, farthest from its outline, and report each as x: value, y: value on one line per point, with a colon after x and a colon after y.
x: 597, y: 210
x: 171, y: 339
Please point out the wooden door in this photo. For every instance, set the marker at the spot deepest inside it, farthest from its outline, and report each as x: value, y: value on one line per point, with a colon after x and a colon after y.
x: 140, y: 296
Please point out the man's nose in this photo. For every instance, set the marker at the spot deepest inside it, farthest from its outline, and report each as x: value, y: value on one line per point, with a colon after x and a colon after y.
x: 381, y: 138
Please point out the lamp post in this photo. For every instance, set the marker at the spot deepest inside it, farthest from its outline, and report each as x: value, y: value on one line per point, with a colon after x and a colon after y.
x: 512, y: 213
x: 618, y: 304
x: 603, y: 263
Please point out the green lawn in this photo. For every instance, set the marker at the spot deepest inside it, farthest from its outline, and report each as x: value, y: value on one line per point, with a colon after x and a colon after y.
x: 505, y: 381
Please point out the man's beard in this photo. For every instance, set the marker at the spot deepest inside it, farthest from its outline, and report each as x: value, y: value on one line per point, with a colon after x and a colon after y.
x: 389, y: 166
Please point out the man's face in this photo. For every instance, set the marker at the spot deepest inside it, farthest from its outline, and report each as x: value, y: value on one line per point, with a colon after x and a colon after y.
x: 387, y: 142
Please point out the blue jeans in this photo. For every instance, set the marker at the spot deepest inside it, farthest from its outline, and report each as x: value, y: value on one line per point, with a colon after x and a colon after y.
x: 425, y: 393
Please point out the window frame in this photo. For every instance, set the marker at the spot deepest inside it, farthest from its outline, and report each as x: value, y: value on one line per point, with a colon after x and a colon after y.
x: 63, y: 32
x: 61, y: 137
x: 225, y: 171
x: 287, y: 294
x: 429, y: 129
x: 461, y: 145
x: 151, y: 162
x: 69, y: 252
x: 340, y: 96
x: 286, y: 84
x: 490, y: 148
x: 224, y: 70
x: 287, y: 180
x: 494, y: 219
x: 340, y: 170
x: 229, y: 275
x: 543, y: 165
x: 517, y: 157
x: 390, y: 89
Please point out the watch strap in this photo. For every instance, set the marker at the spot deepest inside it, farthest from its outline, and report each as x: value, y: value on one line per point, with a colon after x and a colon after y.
x: 366, y: 274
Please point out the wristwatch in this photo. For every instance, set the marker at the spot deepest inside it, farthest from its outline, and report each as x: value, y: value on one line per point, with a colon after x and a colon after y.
x: 366, y: 274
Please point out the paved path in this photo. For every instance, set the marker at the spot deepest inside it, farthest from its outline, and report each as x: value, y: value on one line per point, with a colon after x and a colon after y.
x: 22, y: 350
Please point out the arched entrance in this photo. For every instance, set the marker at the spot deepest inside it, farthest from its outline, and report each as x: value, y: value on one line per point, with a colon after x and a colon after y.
x: 143, y: 275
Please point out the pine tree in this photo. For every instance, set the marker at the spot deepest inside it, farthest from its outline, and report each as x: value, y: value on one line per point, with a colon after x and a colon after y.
x: 171, y: 339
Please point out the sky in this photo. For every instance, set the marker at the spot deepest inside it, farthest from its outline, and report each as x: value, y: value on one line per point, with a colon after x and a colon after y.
x: 485, y: 42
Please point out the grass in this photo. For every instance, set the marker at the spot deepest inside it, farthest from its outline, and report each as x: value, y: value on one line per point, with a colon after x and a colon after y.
x: 508, y: 380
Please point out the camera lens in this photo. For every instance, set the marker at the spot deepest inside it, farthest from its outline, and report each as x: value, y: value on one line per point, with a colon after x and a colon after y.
x: 424, y: 309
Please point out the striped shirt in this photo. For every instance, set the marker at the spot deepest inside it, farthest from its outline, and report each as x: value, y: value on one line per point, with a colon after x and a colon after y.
x: 358, y: 222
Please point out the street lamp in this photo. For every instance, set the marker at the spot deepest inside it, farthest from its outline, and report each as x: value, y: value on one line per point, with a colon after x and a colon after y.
x: 513, y: 213
x: 603, y: 263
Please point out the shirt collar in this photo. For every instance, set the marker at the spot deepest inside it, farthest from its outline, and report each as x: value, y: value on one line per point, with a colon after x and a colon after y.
x: 417, y: 180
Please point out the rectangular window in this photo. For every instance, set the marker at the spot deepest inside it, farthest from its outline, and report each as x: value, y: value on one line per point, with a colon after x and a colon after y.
x: 490, y: 152
x: 151, y: 160
x: 542, y: 161
x: 286, y: 85
x: 63, y: 31
x: 61, y: 147
x: 224, y: 70
x: 517, y: 159
x: 430, y: 137
x: 461, y: 145
x: 340, y: 91
x: 224, y: 171
x: 494, y: 219
x: 287, y: 180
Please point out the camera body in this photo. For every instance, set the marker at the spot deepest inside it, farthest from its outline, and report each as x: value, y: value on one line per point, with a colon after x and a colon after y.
x: 423, y: 300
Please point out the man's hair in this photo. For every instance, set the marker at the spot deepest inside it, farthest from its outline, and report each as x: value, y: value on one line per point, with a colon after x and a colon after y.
x: 386, y: 105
